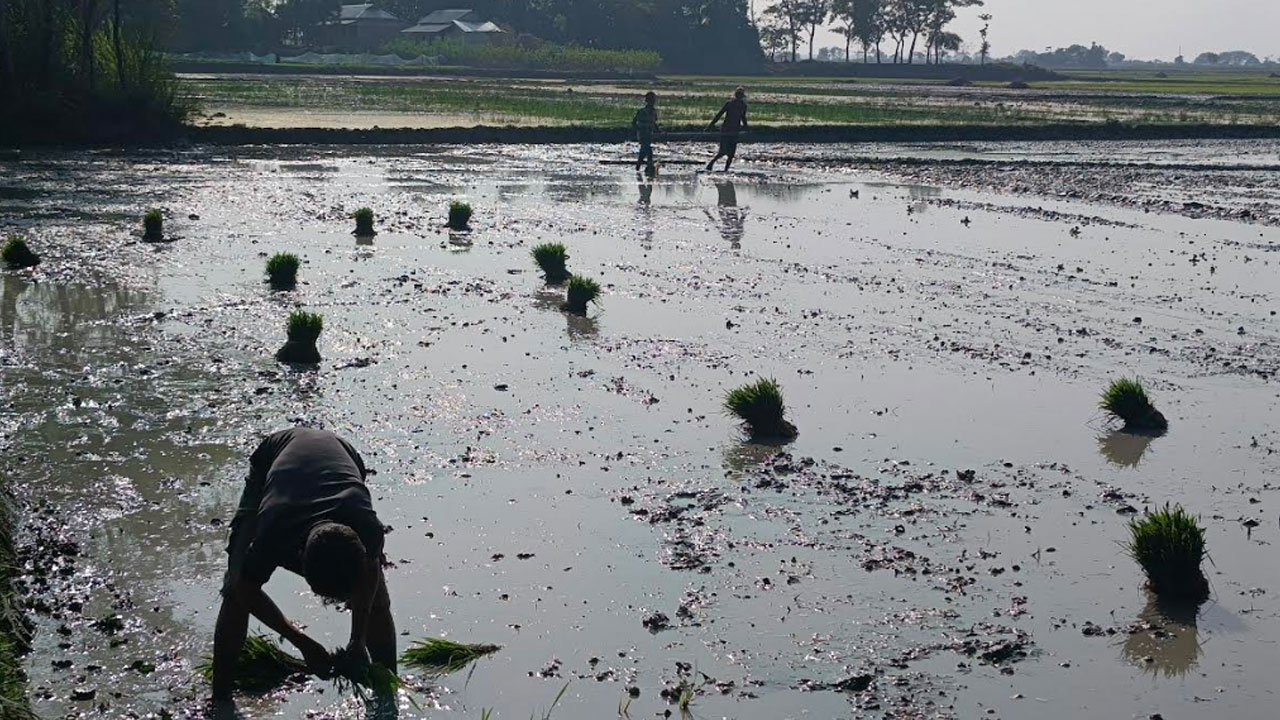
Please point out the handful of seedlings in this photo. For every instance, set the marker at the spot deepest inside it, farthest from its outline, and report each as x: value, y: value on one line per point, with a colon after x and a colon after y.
x: 581, y: 291
x: 17, y: 255
x: 153, y: 226
x: 364, y: 222
x: 436, y: 656
x: 762, y: 410
x: 282, y: 271
x: 1127, y: 400
x: 459, y: 215
x: 263, y: 667
x: 1169, y: 545
x: 303, y: 330
x: 551, y: 258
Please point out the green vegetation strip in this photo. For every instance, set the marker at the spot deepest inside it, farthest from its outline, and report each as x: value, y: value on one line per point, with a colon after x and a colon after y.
x: 13, y: 631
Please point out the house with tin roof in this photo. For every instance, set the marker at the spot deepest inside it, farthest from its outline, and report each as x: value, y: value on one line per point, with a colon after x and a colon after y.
x: 359, y: 28
x: 453, y: 23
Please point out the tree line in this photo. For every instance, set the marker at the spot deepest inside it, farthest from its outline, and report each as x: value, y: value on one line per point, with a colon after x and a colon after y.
x: 905, y: 25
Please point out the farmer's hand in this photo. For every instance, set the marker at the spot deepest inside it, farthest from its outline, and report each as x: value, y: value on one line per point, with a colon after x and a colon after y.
x: 319, y: 661
x: 352, y: 660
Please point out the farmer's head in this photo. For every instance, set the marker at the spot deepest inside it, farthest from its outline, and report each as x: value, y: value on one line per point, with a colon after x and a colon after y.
x: 740, y: 93
x: 650, y: 98
x: 333, y: 560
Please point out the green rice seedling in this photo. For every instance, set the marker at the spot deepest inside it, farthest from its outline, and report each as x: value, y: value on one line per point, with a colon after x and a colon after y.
x: 761, y: 408
x: 364, y: 222
x: 685, y: 698
x: 17, y: 254
x: 581, y: 291
x: 551, y: 258
x: 303, y: 331
x: 282, y: 271
x: 1127, y: 400
x: 153, y: 225
x: 459, y: 215
x: 438, y: 656
x: 262, y: 666
x: 1169, y: 545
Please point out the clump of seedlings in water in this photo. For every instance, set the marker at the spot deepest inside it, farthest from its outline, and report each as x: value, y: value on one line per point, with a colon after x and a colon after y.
x: 459, y: 215
x: 153, y: 225
x: 364, y: 222
x: 1127, y: 400
x: 437, y: 656
x: 304, y: 330
x: 761, y: 409
x: 17, y: 255
x: 262, y: 666
x: 1169, y: 545
x: 552, y: 259
x: 282, y: 271
x: 580, y: 292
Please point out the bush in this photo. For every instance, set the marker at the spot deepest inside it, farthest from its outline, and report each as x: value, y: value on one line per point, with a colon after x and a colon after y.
x: 552, y: 258
x: 581, y: 291
x: 364, y: 221
x: 513, y: 54
x: 282, y: 270
x: 17, y: 255
x: 153, y: 225
x: 1169, y: 545
x: 761, y: 408
x: 1127, y: 400
x: 459, y: 215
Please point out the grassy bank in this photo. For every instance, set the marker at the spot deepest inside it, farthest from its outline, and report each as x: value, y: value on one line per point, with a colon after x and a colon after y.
x: 13, y: 633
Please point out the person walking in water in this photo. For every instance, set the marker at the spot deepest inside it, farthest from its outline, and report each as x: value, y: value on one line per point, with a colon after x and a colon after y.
x: 645, y: 124
x: 305, y: 507
x: 734, y: 113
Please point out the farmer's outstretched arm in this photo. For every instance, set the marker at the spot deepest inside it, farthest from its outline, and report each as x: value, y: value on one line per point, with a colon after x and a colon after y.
x: 361, y: 606
x: 719, y: 115
x: 260, y: 605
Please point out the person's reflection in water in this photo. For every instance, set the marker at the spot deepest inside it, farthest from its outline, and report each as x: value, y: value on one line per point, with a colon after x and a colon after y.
x: 646, y: 193
x: 732, y: 219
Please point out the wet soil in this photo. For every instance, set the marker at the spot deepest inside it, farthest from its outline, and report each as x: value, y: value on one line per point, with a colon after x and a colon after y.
x: 942, y: 539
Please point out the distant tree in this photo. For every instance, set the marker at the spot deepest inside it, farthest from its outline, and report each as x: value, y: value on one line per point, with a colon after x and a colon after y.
x: 812, y: 14
x: 787, y: 16
x: 1115, y: 58
x: 1238, y: 57
x: 985, y: 48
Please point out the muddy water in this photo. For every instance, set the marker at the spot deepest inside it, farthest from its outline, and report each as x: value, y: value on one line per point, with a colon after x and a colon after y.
x: 551, y: 481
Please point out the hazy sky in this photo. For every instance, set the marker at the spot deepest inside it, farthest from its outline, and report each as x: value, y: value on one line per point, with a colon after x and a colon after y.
x: 1138, y: 28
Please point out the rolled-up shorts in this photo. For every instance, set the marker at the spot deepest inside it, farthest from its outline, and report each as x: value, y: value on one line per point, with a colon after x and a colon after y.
x: 238, y: 542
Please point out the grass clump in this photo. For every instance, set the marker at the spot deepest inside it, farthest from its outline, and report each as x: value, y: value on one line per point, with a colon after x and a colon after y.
x: 364, y: 222
x: 459, y: 215
x: 438, y: 656
x: 1127, y: 400
x: 282, y: 270
x: 581, y: 291
x: 552, y: 259
x: 153, y: 225
x: 1169, y: 545
x: 262, y: 666
x: 761, y: 408
x: 17, y: 254
x: 303, y: 331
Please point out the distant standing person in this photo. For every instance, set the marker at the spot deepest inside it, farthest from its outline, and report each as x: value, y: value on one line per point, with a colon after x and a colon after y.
x: 734, y: 113
x: 646, y: 124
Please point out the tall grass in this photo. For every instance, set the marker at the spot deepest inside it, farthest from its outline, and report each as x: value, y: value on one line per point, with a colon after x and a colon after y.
x: 762, y: 410
x: 552, y: 259
x: 521, y: 54
x: 1126, y: 399
x: 1169, y: 546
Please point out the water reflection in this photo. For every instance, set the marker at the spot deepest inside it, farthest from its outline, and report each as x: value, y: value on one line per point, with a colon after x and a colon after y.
x: 730, y: 219
x: 460, y: 240
x: 1124, y: 449
x: 67, y: 319
x: 1168, y: 641
x: 743, y: 457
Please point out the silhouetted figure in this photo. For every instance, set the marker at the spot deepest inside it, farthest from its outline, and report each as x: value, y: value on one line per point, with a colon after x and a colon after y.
x: 734, y: 113
x: 645, y: 123
x: 305, y: 508
x: 732, y: 219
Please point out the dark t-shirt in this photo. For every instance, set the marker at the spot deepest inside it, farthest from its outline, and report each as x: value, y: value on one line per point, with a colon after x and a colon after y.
x: 735, y: 115
x: 299, y: 478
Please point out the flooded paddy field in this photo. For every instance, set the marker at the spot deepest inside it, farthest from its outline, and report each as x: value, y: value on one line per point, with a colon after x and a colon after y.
x: 943, y: 539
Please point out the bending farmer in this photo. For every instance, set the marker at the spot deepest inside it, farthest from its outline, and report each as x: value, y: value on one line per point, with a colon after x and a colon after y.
x: 734, y: 113
x: 305, y: 508
x: 646, y: 124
